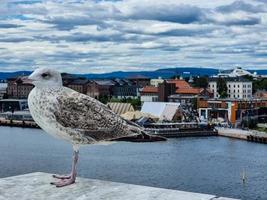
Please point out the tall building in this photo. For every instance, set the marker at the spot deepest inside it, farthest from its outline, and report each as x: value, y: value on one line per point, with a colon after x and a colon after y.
x: 166, y: 89
x: 237, y: 87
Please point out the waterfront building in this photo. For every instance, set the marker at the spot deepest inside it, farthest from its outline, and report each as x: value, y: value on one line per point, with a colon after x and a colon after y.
x: 230, y: 111
x: 13, y: 105
x: 24, y: 115
x: 237, y: 88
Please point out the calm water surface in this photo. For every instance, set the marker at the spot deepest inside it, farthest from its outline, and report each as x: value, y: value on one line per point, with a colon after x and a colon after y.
x: 208, y: 165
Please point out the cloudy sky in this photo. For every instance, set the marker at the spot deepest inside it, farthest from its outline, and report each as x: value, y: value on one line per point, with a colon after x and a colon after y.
x: 93, y: 36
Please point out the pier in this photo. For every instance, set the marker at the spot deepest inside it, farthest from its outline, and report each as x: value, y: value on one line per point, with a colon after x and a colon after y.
x: 183, y: 129
x: 251, y: 136
x: 36, y: 186
x: 18, y: 123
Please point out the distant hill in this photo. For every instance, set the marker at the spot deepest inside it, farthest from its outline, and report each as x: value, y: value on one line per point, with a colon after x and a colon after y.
x: 164, y: 73
x: 6, y: 75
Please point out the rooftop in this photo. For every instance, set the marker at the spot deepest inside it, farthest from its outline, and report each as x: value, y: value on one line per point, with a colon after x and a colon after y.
x: 120, y: 108
x: 36, y: 186
x: 104, y: 82
x: 179, y: 83
x: 78, y: 81
x: 150, y: 89
x: 188, y: 90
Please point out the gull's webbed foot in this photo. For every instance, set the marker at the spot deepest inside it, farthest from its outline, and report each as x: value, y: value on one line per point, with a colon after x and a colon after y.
x: 68, y: 179
x: 64, y: 182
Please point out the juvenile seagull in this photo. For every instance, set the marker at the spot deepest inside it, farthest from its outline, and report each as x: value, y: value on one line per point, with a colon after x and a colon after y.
x: 74, y: 117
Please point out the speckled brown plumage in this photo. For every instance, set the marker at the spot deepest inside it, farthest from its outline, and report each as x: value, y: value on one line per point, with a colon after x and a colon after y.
x: 84, y: 119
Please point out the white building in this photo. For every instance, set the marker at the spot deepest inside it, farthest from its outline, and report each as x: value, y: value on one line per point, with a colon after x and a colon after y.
x: 156, y: 81
x: 237, y: 88
x: 149, y: 94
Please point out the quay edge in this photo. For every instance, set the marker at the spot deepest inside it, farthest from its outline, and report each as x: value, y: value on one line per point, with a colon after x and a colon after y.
x: 36, y: 186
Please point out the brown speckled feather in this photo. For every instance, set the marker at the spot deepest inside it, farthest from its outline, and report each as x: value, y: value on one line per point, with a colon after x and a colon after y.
x: 91, y: 118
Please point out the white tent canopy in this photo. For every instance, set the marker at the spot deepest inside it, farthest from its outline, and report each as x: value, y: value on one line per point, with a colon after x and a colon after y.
x: 163, y: 110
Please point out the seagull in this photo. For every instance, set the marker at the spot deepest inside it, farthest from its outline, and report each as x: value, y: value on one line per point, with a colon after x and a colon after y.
x: 74, y: 117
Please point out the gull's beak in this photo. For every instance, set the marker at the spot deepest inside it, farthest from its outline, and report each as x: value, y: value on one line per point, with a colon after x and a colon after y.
x: 26, y: 79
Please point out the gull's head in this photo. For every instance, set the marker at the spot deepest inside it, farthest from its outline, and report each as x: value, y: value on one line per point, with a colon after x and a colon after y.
x: 45, y: 77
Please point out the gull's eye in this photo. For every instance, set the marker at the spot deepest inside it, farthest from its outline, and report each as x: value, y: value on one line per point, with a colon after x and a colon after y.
x: 45, y: 75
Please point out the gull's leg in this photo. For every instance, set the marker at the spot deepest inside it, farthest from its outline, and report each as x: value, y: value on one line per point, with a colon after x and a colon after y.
x: 67, y: 180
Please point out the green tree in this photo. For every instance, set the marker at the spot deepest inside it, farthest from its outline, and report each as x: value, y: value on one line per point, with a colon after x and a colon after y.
x: 222, y: 87
x: 201, y: 82
x: 260, y: 84
x: 103, y: 98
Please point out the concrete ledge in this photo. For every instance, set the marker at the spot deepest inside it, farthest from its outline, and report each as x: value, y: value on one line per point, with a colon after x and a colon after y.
x: 36, y: 186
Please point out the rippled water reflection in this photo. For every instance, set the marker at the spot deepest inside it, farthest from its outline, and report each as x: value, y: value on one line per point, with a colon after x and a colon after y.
x: 208, y: 165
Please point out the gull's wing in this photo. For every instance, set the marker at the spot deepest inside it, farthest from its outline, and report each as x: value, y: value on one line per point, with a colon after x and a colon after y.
x: 91, y: 118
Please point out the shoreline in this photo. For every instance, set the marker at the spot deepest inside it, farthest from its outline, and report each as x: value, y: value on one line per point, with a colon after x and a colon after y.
x: 247, y: 135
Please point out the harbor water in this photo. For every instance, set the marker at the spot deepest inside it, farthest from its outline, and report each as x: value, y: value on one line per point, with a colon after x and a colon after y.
x: 212, y: 165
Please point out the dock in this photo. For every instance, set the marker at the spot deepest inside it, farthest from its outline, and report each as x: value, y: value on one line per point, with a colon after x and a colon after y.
x: 18, y: 123
x: 36, y: 186
x: 186, y: 133
x: 248, y: 135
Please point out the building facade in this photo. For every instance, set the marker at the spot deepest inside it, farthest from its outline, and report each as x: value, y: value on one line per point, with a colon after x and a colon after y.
x: 230, y: 111
x: 237, y: 88
x: 100, y: 88
x: 17, y: 89
x: 124, y: 89
x: 166, y: 89
x: 149, y: 94
x: 79, y: 85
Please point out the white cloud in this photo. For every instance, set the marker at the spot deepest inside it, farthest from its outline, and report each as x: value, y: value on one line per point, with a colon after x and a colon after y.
x: 103, y: 36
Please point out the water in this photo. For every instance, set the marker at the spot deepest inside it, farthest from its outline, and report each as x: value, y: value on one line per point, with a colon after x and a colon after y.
x: 212, y: 165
